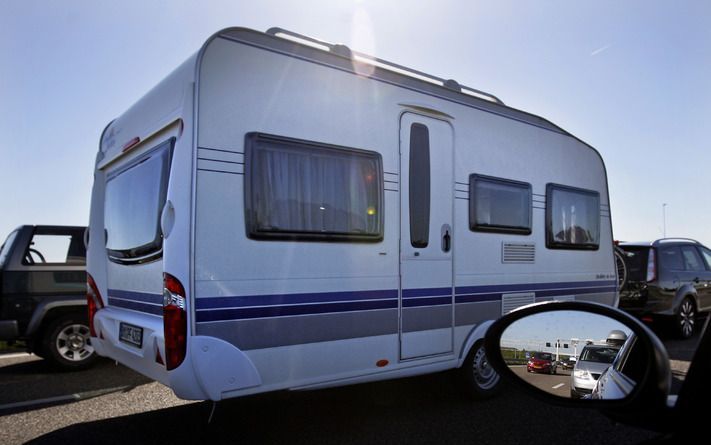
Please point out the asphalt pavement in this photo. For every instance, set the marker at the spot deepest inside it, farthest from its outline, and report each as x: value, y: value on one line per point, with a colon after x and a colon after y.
x: 110, y: 404
x: 427, y: 409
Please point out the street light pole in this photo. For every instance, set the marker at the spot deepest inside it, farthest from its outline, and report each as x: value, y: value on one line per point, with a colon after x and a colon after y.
x: 664, y: 219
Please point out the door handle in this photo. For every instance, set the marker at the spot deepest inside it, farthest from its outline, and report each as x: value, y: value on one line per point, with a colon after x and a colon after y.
x: 446, y: 238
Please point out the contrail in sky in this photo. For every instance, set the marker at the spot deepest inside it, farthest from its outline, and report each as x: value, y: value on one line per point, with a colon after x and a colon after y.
x: 599, y: 50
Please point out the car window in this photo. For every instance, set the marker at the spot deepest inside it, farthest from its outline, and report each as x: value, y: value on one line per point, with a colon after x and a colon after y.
x: 670, y: 258
x: 636, y: 262
x: 692, y: 259
x: 599, y: 355
x: 55, y: 246
x: 707, y: 257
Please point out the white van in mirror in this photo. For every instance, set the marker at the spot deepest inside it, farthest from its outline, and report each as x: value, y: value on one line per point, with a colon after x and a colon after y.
x: 270, y: 217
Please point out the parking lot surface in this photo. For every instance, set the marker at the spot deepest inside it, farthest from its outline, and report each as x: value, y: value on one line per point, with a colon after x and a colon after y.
x: 112, y: 404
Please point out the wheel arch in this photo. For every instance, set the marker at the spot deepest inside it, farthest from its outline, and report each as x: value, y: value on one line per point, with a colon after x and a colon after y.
x: 475, y: 335
x: 46, y: 312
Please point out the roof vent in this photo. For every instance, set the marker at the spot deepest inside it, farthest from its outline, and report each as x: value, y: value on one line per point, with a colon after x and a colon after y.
x: 452, y: 85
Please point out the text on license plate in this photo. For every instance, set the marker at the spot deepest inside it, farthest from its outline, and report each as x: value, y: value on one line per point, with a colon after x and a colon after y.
x: 133, y: 335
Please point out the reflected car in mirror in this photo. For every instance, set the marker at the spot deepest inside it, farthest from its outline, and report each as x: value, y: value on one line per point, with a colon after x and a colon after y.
x: 593, y: 361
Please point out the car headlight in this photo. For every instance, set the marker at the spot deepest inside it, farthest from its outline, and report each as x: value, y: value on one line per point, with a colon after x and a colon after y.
x: 582, y: 374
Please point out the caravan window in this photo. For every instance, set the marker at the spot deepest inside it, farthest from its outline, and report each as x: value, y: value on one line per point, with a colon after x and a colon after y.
x: 419, y: 192
x: 572, y: 218
x: 134, y: 200
x: 499, y: 205
x: 302, y: 190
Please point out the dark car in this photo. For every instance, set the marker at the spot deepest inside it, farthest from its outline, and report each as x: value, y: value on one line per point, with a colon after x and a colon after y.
x: 667, y: 279
x: 43, y: 294
x: 542, y: 362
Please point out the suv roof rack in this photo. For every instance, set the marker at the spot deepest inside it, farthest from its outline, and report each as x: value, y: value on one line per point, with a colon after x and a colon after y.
x: 676, y: 240
x: 344, y: 51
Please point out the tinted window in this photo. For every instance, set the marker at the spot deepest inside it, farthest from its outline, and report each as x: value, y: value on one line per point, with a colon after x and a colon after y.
x: 636, y: 262
x: 419, y: 185
x: 599, y: 355
x: 499, y: 205
x: 707, y: 256
x: 670, y: 258
x: 135, y: 197
x: 308, y: 191
x: 692, y: 259
x: 572, y: 218
x: 55, y: 246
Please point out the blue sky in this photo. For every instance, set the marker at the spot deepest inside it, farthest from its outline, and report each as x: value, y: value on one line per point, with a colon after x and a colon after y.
x: 632, y: 78
x: 534, y: 331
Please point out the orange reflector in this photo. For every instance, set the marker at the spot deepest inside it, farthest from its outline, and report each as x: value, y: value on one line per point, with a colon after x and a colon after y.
x: 382, y: 363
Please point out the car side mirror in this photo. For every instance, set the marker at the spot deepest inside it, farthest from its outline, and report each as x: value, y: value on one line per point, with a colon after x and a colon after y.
x: 617, y: 362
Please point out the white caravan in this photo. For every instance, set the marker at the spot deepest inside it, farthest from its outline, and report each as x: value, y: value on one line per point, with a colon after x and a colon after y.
x: 284, y: 213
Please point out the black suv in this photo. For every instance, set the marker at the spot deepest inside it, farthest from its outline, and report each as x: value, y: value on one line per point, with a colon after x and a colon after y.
x: 668, y: 278
x: 43, y: 294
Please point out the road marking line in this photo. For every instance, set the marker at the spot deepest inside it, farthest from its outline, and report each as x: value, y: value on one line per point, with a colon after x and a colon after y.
x: 65, y: 398
x: 560, y: 385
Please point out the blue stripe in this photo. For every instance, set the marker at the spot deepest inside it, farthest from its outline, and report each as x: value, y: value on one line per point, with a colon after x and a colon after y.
x: 281, y: 305
x: 283, y: 311
x: 137, y: 306
x: 286, y: 299
x: 137, y: 301
x: 141, y: 297
x: 477, y: 298
x: 531, y: 287
x: 433, y: 301
x: 430, y: 292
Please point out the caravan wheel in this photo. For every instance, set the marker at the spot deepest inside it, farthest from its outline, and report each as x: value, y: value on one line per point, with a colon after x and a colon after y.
x: 480, y: 379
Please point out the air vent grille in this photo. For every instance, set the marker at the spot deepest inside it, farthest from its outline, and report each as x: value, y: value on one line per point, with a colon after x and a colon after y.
x: 518, y: 253
x: 509, y: 302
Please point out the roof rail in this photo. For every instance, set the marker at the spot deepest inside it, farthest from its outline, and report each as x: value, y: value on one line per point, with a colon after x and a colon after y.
x: 344, y: 51
x: 676, y: 240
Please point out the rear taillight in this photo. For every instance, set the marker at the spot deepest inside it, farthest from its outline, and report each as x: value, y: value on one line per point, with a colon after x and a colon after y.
x: 93, y: 302
x: 175, y: 321
x: 651, y: 265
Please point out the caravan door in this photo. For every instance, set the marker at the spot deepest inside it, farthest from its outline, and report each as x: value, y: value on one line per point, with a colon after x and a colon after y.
x: 426, y: 237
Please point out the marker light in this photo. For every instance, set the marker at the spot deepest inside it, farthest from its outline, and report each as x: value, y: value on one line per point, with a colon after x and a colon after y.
x: 652, y: 265
x: 130, y: 144
x: 175, y: 321
x: 93, y: 302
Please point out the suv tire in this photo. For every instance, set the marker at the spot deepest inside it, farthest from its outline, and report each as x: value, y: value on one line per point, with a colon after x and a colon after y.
x: 67, y: 344
x: 685, y: 319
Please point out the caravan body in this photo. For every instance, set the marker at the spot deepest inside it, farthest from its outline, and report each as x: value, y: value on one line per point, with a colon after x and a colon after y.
x: 282, y: 213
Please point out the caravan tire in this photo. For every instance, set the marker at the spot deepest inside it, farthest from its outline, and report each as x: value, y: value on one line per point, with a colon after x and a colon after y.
x: 67, y: 343
x: 479, y: 378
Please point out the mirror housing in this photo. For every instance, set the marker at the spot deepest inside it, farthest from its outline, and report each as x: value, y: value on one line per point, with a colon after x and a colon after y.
x: 643, y: 406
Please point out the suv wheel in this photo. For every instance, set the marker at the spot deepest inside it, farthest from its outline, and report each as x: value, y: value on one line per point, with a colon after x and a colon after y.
x: 67, y: 343
x: 686, y: 319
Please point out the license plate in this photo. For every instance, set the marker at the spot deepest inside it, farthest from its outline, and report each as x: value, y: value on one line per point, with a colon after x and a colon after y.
x: 133, y: 335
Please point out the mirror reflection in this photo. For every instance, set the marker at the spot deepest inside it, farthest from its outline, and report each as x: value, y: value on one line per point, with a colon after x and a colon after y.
x: 574, y: 354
